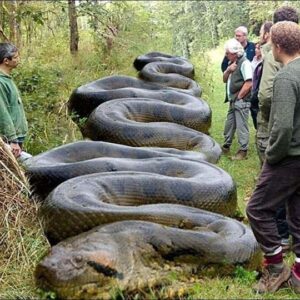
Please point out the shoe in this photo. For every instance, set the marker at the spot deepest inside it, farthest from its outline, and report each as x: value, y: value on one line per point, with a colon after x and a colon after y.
x: 240, y: 155
x: 272, y: 279
x: 225, y: 149
x: 294, y: 282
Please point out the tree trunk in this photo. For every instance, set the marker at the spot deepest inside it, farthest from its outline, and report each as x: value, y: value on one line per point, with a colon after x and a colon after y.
x: 13, y: 24
x: 74, y: 37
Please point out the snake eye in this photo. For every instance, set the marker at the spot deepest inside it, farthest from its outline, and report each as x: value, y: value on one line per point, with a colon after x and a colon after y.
x: 77, y: 260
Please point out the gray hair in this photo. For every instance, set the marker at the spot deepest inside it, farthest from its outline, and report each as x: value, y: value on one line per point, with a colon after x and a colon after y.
x: 235, y: 47
x: 242, y: 29
x: 7, y: 50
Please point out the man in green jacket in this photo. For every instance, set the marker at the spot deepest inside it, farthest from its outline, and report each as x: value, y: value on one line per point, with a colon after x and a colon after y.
x: 13, y: 123
x: 279, y: 184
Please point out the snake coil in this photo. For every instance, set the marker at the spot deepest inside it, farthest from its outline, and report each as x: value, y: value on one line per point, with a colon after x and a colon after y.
x: 149, y: 158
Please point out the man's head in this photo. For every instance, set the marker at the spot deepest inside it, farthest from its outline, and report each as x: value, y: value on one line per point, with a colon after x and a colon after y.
x: 286, y: 13
x: 9, y: 55
x: 233, y: 50
x: 285, y: 39
x: 241, y: 34
x: 264, y: 33
x: 257, y: 50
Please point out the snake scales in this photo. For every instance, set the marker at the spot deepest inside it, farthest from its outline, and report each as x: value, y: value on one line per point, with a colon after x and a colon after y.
x: 92, y: 183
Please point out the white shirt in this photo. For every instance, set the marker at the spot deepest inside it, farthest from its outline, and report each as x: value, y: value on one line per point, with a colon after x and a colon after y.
x: 247, y: 74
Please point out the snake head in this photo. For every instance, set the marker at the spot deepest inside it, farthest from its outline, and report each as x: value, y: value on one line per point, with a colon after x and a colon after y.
x: 70, y: 272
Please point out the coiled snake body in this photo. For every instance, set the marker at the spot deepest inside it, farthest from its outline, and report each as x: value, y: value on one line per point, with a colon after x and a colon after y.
x: 95, y: 183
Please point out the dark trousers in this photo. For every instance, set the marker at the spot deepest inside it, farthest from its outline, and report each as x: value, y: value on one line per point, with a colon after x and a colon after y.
x: 254, y: 112
x: 278, y: 185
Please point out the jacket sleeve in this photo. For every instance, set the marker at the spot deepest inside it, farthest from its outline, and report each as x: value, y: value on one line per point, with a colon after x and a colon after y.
x: 265, y: 93
x: 224, y: 64
x: 281, y: 121
x: 7, y: 127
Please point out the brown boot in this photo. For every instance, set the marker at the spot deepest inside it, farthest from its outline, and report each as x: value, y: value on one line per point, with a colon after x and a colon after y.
x: 272, y: 279
x: 240, y: 155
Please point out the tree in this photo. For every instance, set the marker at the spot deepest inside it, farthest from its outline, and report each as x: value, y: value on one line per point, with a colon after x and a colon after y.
x: 74, y: 36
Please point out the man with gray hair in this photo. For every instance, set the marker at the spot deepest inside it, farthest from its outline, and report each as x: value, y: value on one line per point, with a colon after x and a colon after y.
x: 238, y: 79
x: 13, y: 123
x: 241, y: 35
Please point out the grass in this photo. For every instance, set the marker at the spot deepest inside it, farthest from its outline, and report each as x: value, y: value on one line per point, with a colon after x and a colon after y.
x: 22, y: 243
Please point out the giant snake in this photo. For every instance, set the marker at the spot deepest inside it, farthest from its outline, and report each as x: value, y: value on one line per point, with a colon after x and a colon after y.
x: 149, y: 161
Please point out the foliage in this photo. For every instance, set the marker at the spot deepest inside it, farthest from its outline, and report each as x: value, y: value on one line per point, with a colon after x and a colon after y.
x: 244, y: 276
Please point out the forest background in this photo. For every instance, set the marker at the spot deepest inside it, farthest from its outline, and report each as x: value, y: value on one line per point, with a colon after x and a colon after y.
x: 65, y: 44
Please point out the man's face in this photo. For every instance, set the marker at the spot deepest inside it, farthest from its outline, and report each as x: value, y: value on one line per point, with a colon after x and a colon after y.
x: 13, y: 62
x: 262, y: 36
x: 232, y: 57
x: 276, y: 52
x: 241, y: 37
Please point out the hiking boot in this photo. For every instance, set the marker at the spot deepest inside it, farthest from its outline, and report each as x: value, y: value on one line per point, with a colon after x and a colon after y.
x: 240, y: 155
x: 272, y: 279
x: 225, y: 149
x: 294, y: 282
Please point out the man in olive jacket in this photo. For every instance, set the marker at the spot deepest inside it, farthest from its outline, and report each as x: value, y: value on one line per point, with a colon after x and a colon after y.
x: 279, y: 182
x: 13, y: 123
x: 265, y: 94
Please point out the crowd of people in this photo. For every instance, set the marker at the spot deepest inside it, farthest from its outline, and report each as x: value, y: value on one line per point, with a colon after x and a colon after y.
x: 268, y: 85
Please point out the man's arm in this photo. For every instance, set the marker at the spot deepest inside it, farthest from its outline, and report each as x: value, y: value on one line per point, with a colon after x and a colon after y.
x: 228, y: 71
x: 265, y: 92
x: 7, y: 127
x: 224, y: 64
x: 246, y: 71
x: 246, y: 89
x: 281, y: 120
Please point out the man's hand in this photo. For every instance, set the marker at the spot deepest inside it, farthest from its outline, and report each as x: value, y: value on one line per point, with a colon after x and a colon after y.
x: 15, y: 148
x: 232, y: 67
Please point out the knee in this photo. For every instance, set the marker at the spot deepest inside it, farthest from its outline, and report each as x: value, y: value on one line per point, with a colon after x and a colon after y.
x: 250, y: 211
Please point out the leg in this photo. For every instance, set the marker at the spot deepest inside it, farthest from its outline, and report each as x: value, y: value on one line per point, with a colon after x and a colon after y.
x: 275, y: 185
x: 230, y: 126
x: 254, y: 112
x: 293, y: 219
x: 241, y: 115
x: 261, y: 146
x: 293, y: 207
x: 282, y: 226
